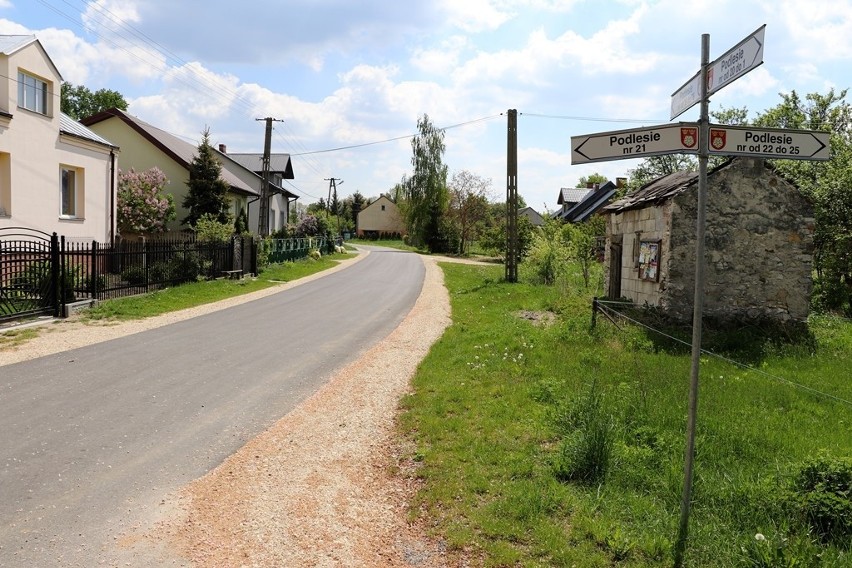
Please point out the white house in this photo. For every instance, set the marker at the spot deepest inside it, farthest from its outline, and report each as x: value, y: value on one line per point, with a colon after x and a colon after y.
x: 55, y: 174
x: 280, y: 198
x: 145, y: 146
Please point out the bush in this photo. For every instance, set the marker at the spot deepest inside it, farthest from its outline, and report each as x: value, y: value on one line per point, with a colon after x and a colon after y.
x: 134, y: 275
x: 185, y: 267
x: 208, y: 230
x: 821, y: 494
x: 36, y: 278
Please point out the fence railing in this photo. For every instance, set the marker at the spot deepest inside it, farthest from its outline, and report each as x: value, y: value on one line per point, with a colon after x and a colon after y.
x: 101, y: 271
x: 282, y: 250
x: 41, y: 273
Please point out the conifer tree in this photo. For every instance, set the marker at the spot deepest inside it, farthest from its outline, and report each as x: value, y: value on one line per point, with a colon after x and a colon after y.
x: 208, y: 192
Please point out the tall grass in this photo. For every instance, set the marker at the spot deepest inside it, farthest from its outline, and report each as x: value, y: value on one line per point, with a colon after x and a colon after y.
x: 562, y: 445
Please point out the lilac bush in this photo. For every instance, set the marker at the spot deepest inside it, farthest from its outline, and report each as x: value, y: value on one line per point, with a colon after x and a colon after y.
x: 142, y: 205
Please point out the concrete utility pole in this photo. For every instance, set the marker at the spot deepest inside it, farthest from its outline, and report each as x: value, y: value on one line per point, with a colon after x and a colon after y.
x: 512, y: 198
x: 263, y: 215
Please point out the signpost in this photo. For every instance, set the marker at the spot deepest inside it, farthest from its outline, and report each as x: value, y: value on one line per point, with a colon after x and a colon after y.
x: 769, y: 142
x: 704, y: 139
x: 736, y: 62
x: 635, y: 143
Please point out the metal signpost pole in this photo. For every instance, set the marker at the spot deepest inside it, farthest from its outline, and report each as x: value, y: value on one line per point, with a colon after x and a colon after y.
x: 698, y: 305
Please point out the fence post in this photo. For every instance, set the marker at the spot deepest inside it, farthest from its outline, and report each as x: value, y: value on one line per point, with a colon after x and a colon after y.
x: 93, y: 272
x: 594, y: 311
x: 57, y: 271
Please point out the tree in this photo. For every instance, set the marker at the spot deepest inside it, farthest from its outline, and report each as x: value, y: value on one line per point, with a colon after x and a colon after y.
x: 593, y: 179
x: 582, y: 240
x: 426, y: 194
x: 658, y: 166
x: 78, y: 102
x: 208, y: 192
x: 468, y: 209
x: 828, y: 185
x: 730, y: 116
x: 142, y: 205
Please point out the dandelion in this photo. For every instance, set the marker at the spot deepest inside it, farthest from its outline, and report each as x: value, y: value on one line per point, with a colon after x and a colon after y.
x: 759, y: 537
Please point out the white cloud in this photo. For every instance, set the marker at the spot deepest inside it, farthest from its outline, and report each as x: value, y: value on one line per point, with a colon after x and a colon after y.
x: 476, y: 15
x: 111, y: 15
x: 9, y: 27
x: 821, y: 30
x: 438, y: 60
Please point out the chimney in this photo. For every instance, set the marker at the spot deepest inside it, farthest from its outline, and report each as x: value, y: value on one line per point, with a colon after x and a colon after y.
x: 589, y: 185
x: 223, y: 148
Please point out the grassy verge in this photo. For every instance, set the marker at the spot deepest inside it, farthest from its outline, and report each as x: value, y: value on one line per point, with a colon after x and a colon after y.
x: 554, y: 444
x: 390, y: 243
x: 199, y: 293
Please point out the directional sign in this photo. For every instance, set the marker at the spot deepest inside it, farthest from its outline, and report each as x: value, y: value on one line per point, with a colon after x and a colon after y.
x: 635, y: 143
x: 769, y: 142
x: 736, y: 62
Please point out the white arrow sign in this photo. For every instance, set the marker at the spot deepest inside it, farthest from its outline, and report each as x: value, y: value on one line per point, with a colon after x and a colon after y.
x: 635, y: 143
x: 769, y: 142
x: 736, y: 62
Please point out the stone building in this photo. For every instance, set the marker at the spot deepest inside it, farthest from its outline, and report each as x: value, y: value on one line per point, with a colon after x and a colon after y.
x: 759, y: 244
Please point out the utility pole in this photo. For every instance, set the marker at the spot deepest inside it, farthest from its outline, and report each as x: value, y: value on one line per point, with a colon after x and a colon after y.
x: 512, y: 198
x: 263, y: 215
x: 332, y: 187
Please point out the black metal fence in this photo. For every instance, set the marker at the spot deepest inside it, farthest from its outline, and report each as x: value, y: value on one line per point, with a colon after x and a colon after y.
x: 41, y: 273
x: 29, y: 273
x: 98, y: 271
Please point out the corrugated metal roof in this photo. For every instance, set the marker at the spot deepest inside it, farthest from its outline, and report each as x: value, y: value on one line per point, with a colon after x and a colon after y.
x: 278, y: 163
x: 9, y: 44
x: 70, y: 126
x: 655, y: 192
x: 573, y: 194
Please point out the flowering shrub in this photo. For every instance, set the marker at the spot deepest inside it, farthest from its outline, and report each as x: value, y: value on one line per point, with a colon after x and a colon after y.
x: 142, y: 205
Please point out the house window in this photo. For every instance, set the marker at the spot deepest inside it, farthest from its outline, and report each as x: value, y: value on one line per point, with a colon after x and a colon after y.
x: 383, y: 207
x: 32, y: 93
x: 70, y: 192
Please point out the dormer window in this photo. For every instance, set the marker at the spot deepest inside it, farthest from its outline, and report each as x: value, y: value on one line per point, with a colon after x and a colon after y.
x: 32, y: 93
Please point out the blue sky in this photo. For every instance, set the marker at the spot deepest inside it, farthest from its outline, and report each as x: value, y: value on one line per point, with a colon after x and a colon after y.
x: 340, y: 73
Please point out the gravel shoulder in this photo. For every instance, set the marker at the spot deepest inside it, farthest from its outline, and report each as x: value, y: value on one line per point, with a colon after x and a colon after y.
x: 324, y: 486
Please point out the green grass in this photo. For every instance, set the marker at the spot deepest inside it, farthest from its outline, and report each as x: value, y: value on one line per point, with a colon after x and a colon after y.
x: 205, y: 292
x: 15, y: 337
x: 390, y: 243
x: 499, y: 402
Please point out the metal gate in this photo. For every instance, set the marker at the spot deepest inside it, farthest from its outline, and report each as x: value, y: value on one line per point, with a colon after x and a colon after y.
x: 29, y: 273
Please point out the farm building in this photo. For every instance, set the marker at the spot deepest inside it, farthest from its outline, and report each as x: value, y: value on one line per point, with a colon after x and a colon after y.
x: 759, y: 244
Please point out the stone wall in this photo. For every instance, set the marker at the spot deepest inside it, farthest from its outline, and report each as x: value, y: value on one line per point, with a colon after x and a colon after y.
x: 650, y: 223
x: 759, y: 246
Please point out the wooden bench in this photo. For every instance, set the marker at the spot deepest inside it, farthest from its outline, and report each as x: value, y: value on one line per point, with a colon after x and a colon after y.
x: 232, y: 274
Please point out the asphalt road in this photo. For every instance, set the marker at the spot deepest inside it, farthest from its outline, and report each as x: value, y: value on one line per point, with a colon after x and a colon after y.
x: 94, y: 440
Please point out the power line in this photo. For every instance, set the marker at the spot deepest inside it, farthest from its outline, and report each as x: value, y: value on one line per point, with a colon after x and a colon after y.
x: 397, y: 137
x: 593, y: 119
